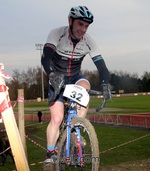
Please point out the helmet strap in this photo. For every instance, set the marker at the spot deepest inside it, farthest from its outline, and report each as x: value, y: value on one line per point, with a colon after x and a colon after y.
x: 71, y: 27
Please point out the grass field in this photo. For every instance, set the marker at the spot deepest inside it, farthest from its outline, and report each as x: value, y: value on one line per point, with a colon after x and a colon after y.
x: 117, y: 144
x: 131, y: 104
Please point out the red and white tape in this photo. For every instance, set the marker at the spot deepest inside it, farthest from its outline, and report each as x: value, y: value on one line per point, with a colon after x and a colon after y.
x: 4, y: 74
x: 20, y: 99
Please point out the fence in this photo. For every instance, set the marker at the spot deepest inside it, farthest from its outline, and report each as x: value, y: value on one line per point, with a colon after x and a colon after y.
x: 132, y: 120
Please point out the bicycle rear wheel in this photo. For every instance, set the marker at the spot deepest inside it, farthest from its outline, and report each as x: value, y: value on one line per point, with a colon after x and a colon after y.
x: 90, y: 148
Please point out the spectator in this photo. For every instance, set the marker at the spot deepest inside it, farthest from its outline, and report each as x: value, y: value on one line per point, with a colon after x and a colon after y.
x: 39, y: 116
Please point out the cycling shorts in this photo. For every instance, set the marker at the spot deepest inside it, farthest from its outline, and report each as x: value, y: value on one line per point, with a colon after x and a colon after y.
x: 68, y: 80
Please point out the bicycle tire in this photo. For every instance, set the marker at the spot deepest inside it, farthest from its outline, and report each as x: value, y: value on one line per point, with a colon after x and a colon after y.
x: 90, y: 150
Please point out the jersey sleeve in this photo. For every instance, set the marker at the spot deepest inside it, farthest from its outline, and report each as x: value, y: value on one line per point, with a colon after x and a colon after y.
x: 98, y: 61
x: 53, y: 37
x: 93, y: 48
x: 49, y: 49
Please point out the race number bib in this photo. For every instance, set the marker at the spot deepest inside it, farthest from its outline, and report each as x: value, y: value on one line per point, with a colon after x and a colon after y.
x: 77, y: 94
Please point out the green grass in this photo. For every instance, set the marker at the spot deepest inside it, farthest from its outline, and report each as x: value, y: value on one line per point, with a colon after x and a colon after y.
x: 126, y: 105
x: 131, y: 104
x: 122, y: 143
x: 110, y: 138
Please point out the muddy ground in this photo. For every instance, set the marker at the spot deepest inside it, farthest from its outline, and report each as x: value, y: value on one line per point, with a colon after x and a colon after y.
x: 142, y: 165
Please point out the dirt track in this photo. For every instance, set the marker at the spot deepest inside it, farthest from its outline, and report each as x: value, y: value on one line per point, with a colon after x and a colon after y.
x: 143, y: 165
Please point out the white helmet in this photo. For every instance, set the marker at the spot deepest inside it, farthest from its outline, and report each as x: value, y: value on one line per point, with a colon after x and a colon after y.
x: 81, y: 12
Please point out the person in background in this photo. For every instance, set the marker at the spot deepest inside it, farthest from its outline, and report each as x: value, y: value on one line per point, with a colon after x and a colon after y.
x: 39, y: 116
x: 63, y: 53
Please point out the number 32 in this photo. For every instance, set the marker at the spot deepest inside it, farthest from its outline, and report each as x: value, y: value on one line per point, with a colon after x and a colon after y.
x: 76, y: 95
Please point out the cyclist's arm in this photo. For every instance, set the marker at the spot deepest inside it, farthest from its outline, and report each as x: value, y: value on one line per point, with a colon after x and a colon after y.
x: 50, y: 48
x: 47, y: 56
x: 103, y: 71
x: 98, y: 61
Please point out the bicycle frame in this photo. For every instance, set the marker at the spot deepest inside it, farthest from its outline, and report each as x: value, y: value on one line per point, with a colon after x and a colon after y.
x: 78, y: 143
x: 73, y: 113
x: 72, y: 141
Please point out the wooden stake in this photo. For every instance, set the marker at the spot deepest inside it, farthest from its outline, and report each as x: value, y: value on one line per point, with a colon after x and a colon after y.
x: 12, y: 129
x: 21, y: 123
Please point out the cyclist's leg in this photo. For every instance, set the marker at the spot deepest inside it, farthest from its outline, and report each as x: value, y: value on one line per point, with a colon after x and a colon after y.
x: 56, y: 111
x: 82, y: 111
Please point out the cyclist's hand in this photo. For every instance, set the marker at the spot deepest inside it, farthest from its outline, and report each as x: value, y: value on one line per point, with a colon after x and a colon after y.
x: 106, y: 91
x: 56, y: 80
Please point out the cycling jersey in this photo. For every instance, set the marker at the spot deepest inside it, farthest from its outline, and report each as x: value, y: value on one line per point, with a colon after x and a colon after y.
x: 66, y: 58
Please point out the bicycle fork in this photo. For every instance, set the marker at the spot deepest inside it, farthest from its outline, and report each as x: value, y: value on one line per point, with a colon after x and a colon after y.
x: 79, y: 147
x: 78, y: 144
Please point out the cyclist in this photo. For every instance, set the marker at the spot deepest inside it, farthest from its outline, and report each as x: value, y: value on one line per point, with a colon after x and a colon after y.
x: 63, y: 53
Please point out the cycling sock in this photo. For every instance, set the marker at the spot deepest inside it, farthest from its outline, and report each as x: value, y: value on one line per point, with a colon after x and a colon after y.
x: 50, y: 151
x: 51, y: 148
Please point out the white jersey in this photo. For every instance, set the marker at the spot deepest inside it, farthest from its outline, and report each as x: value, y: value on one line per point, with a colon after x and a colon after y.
x: 67, y: 58
x: 61, y: 40
x: 65, y: 55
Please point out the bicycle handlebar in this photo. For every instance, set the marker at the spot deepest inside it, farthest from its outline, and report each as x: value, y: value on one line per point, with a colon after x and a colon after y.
x: 57, y: 87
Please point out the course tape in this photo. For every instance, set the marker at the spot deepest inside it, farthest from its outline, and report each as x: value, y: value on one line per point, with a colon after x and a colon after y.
x: 126, y: 143
x: 36, y: 163
x: 5, y: 105
x: 4, y: 74
x: 20, y: 99
x: 4, y: 151
x: 34, y: 142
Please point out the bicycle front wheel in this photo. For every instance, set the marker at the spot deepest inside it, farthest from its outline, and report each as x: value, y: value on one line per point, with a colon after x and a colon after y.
x: 90, y: 148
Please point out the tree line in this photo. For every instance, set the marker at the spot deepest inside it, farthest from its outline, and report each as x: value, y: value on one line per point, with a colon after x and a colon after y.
x: 30, y: 81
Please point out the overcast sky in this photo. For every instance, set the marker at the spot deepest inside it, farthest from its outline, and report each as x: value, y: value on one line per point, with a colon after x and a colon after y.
x: 121, y: 28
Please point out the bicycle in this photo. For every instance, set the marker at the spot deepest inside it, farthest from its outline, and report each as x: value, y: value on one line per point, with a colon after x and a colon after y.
x: 78, y: 147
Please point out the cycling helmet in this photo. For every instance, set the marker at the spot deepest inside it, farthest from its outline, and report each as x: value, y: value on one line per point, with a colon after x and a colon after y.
x: 81, y: 12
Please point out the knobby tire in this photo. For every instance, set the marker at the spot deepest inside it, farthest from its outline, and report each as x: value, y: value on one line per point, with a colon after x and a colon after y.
x: 90, y: 150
